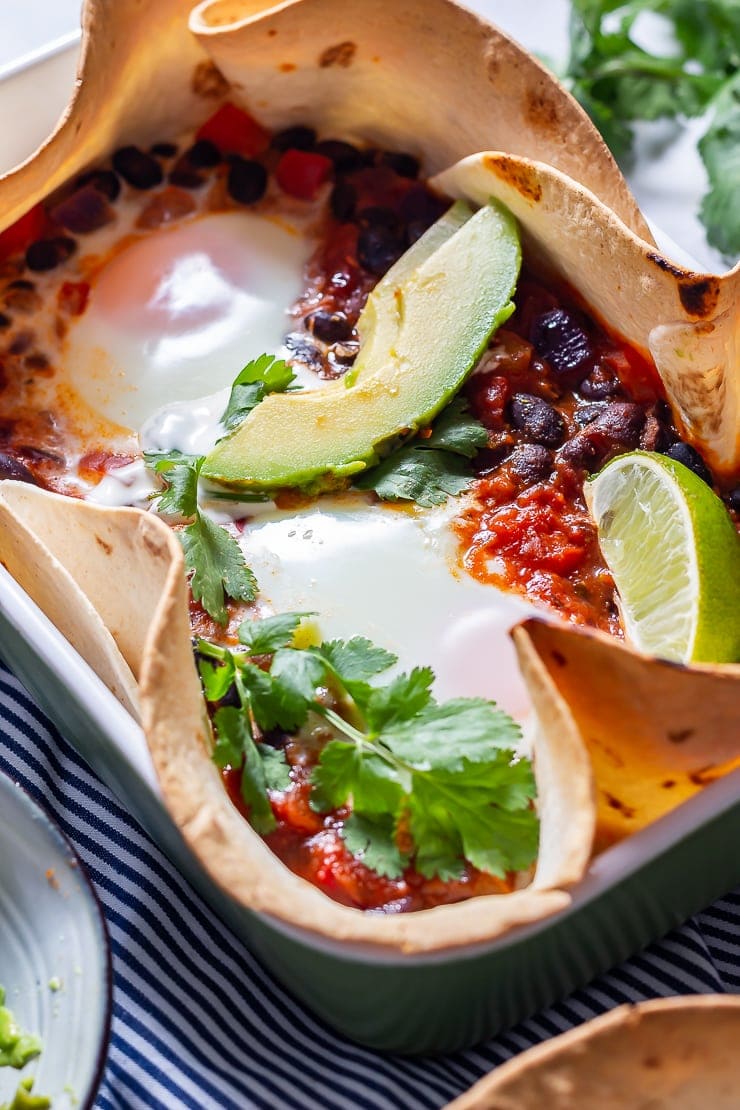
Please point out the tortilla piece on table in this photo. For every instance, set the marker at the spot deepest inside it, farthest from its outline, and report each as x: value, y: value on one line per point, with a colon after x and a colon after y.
x: 128, y: 566
x: 657, y: 732
x: 688, y: 322
x: 356, y: 68
x: 667, y: 1054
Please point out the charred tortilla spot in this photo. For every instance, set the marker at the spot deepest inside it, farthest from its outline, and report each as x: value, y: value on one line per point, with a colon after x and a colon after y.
x: 209, y: 82
x: 271, y: 33
x: 699, y: 298
x: 678, y: 735
x: 342, y: 54
x: 560, y: 658
x: 287, y: 67
x: 668, y: 784
x: 107, y: 548
x: 542, y: 111
x: 665, y: 265
x: 703, y: 776
x: 522, y: 178
x: 621, y: 807
x: 651, y: 1062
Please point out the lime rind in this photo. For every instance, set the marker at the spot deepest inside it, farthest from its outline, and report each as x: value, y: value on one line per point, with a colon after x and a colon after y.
x: 675, y: 557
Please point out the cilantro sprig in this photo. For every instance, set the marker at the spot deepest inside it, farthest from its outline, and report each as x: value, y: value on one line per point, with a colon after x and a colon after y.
x: 431, y: 784
x: 618, y: 82
x: 430, y: 469
x: 213, y: 558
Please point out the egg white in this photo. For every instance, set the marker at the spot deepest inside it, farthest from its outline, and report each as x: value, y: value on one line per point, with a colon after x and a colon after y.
x: 175, y: 315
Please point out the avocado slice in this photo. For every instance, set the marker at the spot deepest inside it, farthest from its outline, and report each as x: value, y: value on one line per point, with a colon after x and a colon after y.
x: 424, y: 328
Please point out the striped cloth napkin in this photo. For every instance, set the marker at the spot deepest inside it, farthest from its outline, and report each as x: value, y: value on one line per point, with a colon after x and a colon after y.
x: 198, y: 1023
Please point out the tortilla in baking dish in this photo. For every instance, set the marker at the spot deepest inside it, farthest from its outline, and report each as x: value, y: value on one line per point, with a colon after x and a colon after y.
x: 431, y: 77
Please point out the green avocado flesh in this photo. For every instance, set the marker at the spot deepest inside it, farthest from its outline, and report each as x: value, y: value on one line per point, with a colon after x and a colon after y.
x: 423, y: 329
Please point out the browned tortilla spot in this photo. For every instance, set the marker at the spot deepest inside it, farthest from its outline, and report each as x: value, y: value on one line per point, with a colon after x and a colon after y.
x: 102, y: 543
x: 542, y: 111
x: 517, y: 174
x: 286, y: 67
x: 340, y: 55
x: 665, y: 264
x: 699, y: 298
x: 209, y: 82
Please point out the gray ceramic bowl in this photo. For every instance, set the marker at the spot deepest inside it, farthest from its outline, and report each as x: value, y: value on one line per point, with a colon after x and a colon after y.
x: 52, y: 935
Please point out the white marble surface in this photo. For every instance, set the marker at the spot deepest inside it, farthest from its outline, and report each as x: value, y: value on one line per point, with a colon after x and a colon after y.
x: 668, y: 178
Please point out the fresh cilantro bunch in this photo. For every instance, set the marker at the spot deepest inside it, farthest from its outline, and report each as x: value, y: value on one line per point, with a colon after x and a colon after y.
x: 430, y: 784
x: 434, y: 467
x: 618, y: 82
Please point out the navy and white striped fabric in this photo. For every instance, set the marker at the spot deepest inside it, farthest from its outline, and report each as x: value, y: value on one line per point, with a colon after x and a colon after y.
x: 198, y: 1023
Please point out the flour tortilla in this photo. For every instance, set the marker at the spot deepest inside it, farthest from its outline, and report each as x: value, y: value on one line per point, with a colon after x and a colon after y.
x: 669, y: 1054
x: 113, y: 579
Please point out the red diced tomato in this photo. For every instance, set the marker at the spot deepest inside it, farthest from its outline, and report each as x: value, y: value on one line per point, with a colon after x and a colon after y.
x: 300, y: 173
x: 234, y: 131
x: 23, y: 232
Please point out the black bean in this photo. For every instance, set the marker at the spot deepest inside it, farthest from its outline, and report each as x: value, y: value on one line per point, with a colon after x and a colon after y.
x: 616, y: 429
x: 5, y: 321
x: 557, y: 337
x: 378, y: 247
x: 342, y: 355
x: 46, y: 254
x: 343, y: 200
x: 164, y: 150
x: 294, y: 138
x: 23, y: 284
x: 185, y: 176
x: 84, y: 211
x: 105, y: 181
x: 537, y: 420
x: 684, y: 453
x: 138, y: 168
x: 203, y: 154
x: 303, y: 350
x: 345, y: 157
x: 15, y: 469
x: 600, y: 385
x: 329, y: 327
x: 405, y: 165
x: 530, y: 463
x: 733, y: 499
x: 247, y: 180
x: 586, y: 414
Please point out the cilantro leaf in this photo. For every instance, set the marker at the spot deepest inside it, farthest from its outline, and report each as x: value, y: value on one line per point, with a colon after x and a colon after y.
x: 720, y: 151
x: 401, y: 700
x: 217, y: 565
x: 443, y: 737
x: 259, y: 377
x: 275, y: 767
x: 456, y: 430
x: 419, y: 474
x: 235, y: 746
x: 265, y: 636
x: 217, y: 676
x: 372, y: 840
x: 345, y: 770
x: 354, y: 662
x: 181, y: 473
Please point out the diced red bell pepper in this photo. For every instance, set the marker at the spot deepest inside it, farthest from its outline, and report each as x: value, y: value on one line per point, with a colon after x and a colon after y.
x: 300, y: 173
x: 235, y: 132
x: 23, y: 232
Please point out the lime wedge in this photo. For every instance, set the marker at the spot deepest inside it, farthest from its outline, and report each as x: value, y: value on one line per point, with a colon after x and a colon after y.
x: 675, y: 556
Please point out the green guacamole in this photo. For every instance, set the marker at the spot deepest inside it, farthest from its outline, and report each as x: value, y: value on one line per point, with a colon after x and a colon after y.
x: 16, y: 1049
